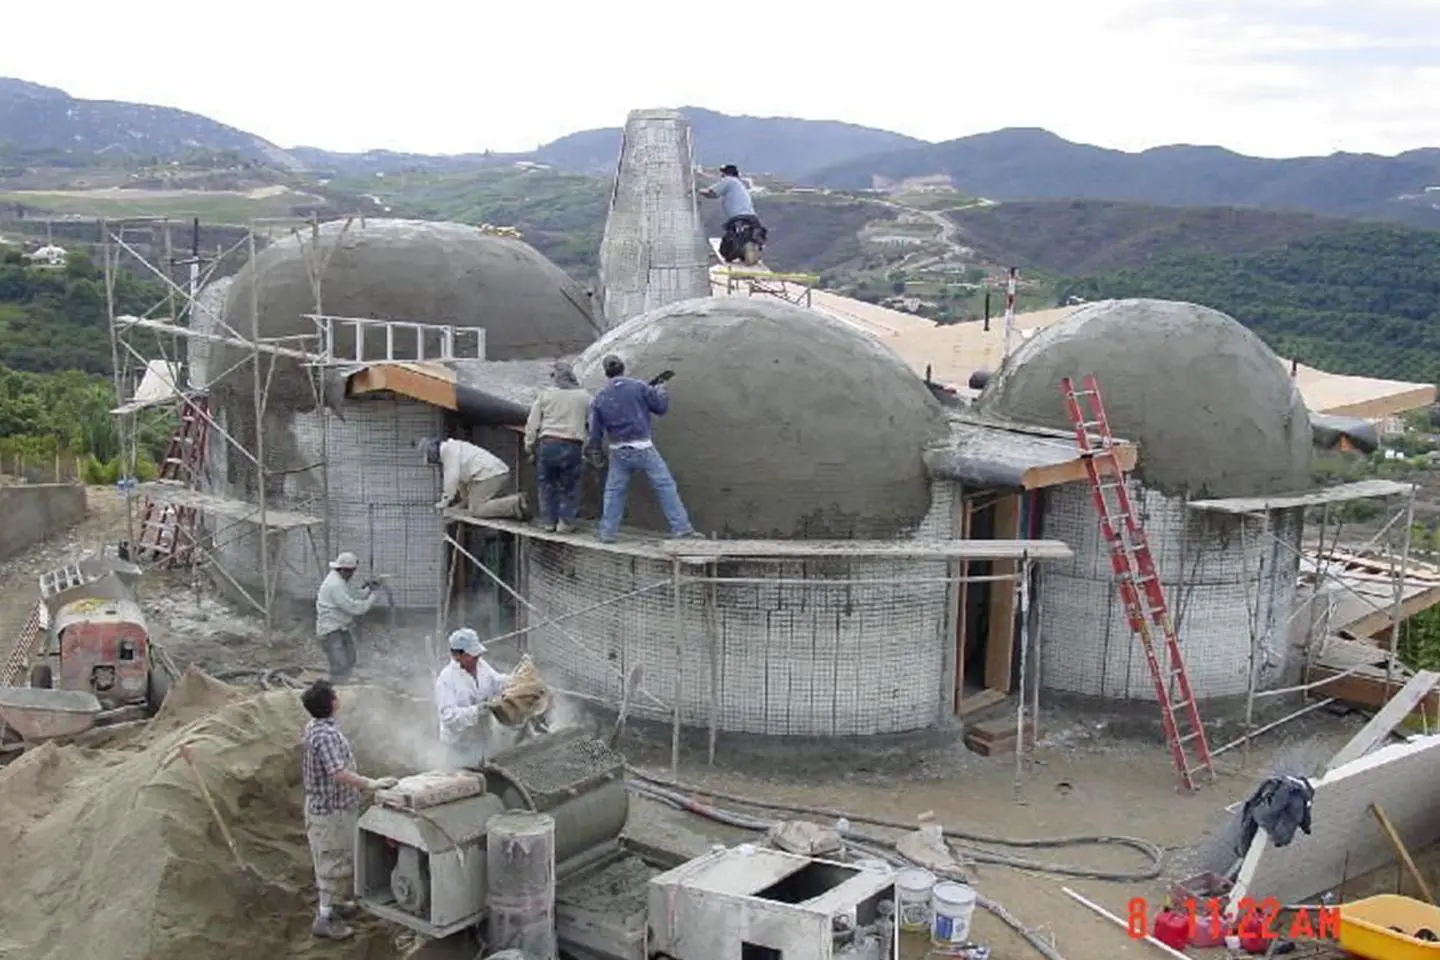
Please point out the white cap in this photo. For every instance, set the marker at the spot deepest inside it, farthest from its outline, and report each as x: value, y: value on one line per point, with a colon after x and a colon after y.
x: 346, y: 561
x: 466, y: 640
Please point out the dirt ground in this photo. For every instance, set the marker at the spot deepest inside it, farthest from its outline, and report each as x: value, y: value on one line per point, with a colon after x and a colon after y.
x: 1080, y: 781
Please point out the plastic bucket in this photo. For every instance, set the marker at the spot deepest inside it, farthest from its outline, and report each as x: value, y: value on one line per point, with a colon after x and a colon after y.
x: 912, y: 892
x: 954, y: 905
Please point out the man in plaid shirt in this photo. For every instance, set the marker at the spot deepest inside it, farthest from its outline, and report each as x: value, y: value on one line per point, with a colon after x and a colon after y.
x: 333, y: 791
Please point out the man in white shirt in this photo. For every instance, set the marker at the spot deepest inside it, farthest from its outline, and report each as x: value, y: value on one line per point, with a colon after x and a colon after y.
x: 465, y: 691
x: 474, y: 476
x: 337, y: 606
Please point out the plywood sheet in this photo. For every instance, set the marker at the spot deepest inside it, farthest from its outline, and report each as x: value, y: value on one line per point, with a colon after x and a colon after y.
x: 1346, y: 841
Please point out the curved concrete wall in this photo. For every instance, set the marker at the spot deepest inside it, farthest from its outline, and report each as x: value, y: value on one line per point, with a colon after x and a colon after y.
x: 1086, y: 644
x: 793, y: 660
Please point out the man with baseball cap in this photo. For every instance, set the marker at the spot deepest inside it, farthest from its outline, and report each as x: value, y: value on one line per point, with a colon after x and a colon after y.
x: 337, y: 605
x: 465, y: 691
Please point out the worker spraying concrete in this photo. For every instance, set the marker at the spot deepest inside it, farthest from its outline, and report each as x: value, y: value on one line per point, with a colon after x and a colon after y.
x: 338, y: 604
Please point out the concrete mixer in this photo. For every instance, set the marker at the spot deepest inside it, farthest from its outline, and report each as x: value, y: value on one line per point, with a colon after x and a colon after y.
x: 421, y: 862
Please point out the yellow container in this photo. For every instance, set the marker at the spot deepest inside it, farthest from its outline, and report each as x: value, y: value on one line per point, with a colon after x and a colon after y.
x: 1365, y: 928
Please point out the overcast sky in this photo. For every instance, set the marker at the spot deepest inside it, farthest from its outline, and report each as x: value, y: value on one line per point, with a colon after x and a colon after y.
x: 1265, y: 77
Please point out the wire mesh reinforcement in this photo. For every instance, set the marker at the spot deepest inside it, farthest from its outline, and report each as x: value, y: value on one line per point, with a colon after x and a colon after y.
x: 801, y: 648
x: 1215, y: 580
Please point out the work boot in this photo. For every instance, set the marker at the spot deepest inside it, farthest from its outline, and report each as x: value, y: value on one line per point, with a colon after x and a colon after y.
x: 331, y: 928
x: 689, y: 535
x: 347, y: 910
x: 563, y: 527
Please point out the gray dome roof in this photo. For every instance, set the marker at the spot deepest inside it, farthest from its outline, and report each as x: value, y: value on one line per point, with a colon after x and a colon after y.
x: 446, y: 273
x: 783, y: 422
x: 1210, y: 405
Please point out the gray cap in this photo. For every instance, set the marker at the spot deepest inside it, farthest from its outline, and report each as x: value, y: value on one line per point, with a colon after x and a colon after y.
x: 466, y: 640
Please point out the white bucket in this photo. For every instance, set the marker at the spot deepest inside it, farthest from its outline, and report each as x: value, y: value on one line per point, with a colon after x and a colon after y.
x: 912, y: 893
x: 954, y: 905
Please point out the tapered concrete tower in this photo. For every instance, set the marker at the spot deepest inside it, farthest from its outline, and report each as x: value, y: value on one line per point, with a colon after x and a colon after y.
x: 654, y: 251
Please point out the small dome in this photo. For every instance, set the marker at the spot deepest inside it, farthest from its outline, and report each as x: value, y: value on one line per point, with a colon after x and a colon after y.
x: 1212, y: 408
x: 783, y: 422
x: 443, y: 273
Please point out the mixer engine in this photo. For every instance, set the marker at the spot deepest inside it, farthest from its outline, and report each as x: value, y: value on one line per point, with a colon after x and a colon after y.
x: 420, y: 850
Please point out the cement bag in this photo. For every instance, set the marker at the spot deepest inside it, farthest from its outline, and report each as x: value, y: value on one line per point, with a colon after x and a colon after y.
x: 525, y: 695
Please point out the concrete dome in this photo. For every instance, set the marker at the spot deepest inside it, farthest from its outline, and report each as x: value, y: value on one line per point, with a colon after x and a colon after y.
x: 1212, y: 408
x: 783, y: 422
x: 410, y: 270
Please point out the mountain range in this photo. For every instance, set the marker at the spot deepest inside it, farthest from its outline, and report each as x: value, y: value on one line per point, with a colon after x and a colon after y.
x: 1005, y: 165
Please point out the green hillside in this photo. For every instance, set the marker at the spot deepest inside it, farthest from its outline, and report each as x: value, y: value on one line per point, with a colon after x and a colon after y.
x: 1362, y: 301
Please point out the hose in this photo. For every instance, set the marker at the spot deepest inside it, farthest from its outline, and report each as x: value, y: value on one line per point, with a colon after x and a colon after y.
x: 966, y: 842
x: 870, y: 846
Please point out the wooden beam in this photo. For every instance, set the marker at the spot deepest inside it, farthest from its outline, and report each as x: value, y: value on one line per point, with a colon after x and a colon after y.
x: 1369, y: 693
x: 1378, y: 621
x: 1383, y: 723
x: 428, y: 385
x: 1073, y: 471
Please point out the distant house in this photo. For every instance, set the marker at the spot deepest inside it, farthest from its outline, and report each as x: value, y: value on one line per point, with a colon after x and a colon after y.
x: 47, y: 256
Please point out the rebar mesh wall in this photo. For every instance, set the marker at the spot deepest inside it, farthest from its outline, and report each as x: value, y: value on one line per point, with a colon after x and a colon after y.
x: 1087, y: 646
x: 824, y: 658
x: 381, y: 503
x: 654, y: 250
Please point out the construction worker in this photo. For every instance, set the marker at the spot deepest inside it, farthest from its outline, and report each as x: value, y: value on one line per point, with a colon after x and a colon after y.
x: 742, y: 226
x: 465, y: 691
x: 474, y: 476
x: 333, y: 790
x: 555, y: 437
x: 338, y: 604
x: 621, y: 413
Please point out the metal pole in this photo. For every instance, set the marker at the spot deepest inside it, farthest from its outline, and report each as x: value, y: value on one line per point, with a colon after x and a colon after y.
x: 122, y: 422
x: 1398, y: 613
x: 679, y: 630
x: 1035, y: 688
x: 1254, y: 640
x: 713, y: 630
x: 259, y: 406
x: 1023, y: 588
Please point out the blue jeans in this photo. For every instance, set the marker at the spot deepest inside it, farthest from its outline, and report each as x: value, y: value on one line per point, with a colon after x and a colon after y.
x: 626, y: 462
x: 559, y: 465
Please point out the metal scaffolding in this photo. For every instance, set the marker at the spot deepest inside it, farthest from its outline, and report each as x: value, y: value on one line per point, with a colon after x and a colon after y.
x: 177, y: 317
x: 1397, y: 560
x: 703, y: 564
x: 158, y: 333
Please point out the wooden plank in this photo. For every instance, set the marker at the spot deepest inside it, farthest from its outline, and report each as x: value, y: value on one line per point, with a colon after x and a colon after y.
x: 997, y: 729
x: 1000, y: 644
x: 1367, y: 692
x: 996, y: 748
x: 983, y: 700
x: 1390, y: 716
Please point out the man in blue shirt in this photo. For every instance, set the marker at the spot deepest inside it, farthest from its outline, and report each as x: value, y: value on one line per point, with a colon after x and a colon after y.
x: 621, y: 413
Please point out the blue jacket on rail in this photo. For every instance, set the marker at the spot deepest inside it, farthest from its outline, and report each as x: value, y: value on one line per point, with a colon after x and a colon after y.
x: 621, y: 411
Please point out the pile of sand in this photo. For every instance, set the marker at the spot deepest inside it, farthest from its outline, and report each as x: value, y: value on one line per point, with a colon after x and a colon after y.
x: 114, y: 852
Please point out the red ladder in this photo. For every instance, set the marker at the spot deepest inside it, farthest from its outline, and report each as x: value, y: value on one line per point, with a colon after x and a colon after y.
x: 167, y: 531
x: 1140, y: 588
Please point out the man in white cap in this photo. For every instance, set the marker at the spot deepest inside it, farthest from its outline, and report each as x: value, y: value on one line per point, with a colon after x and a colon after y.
x: 465, y: 691
x: 337, y: 605
x: 474, y: 476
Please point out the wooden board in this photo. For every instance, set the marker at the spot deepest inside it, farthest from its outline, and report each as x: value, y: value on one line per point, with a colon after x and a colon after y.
x: 1390, y: 716
x: 998, y: 747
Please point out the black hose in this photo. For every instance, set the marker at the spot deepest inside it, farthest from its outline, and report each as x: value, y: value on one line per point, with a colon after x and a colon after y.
x: 964, y: 840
